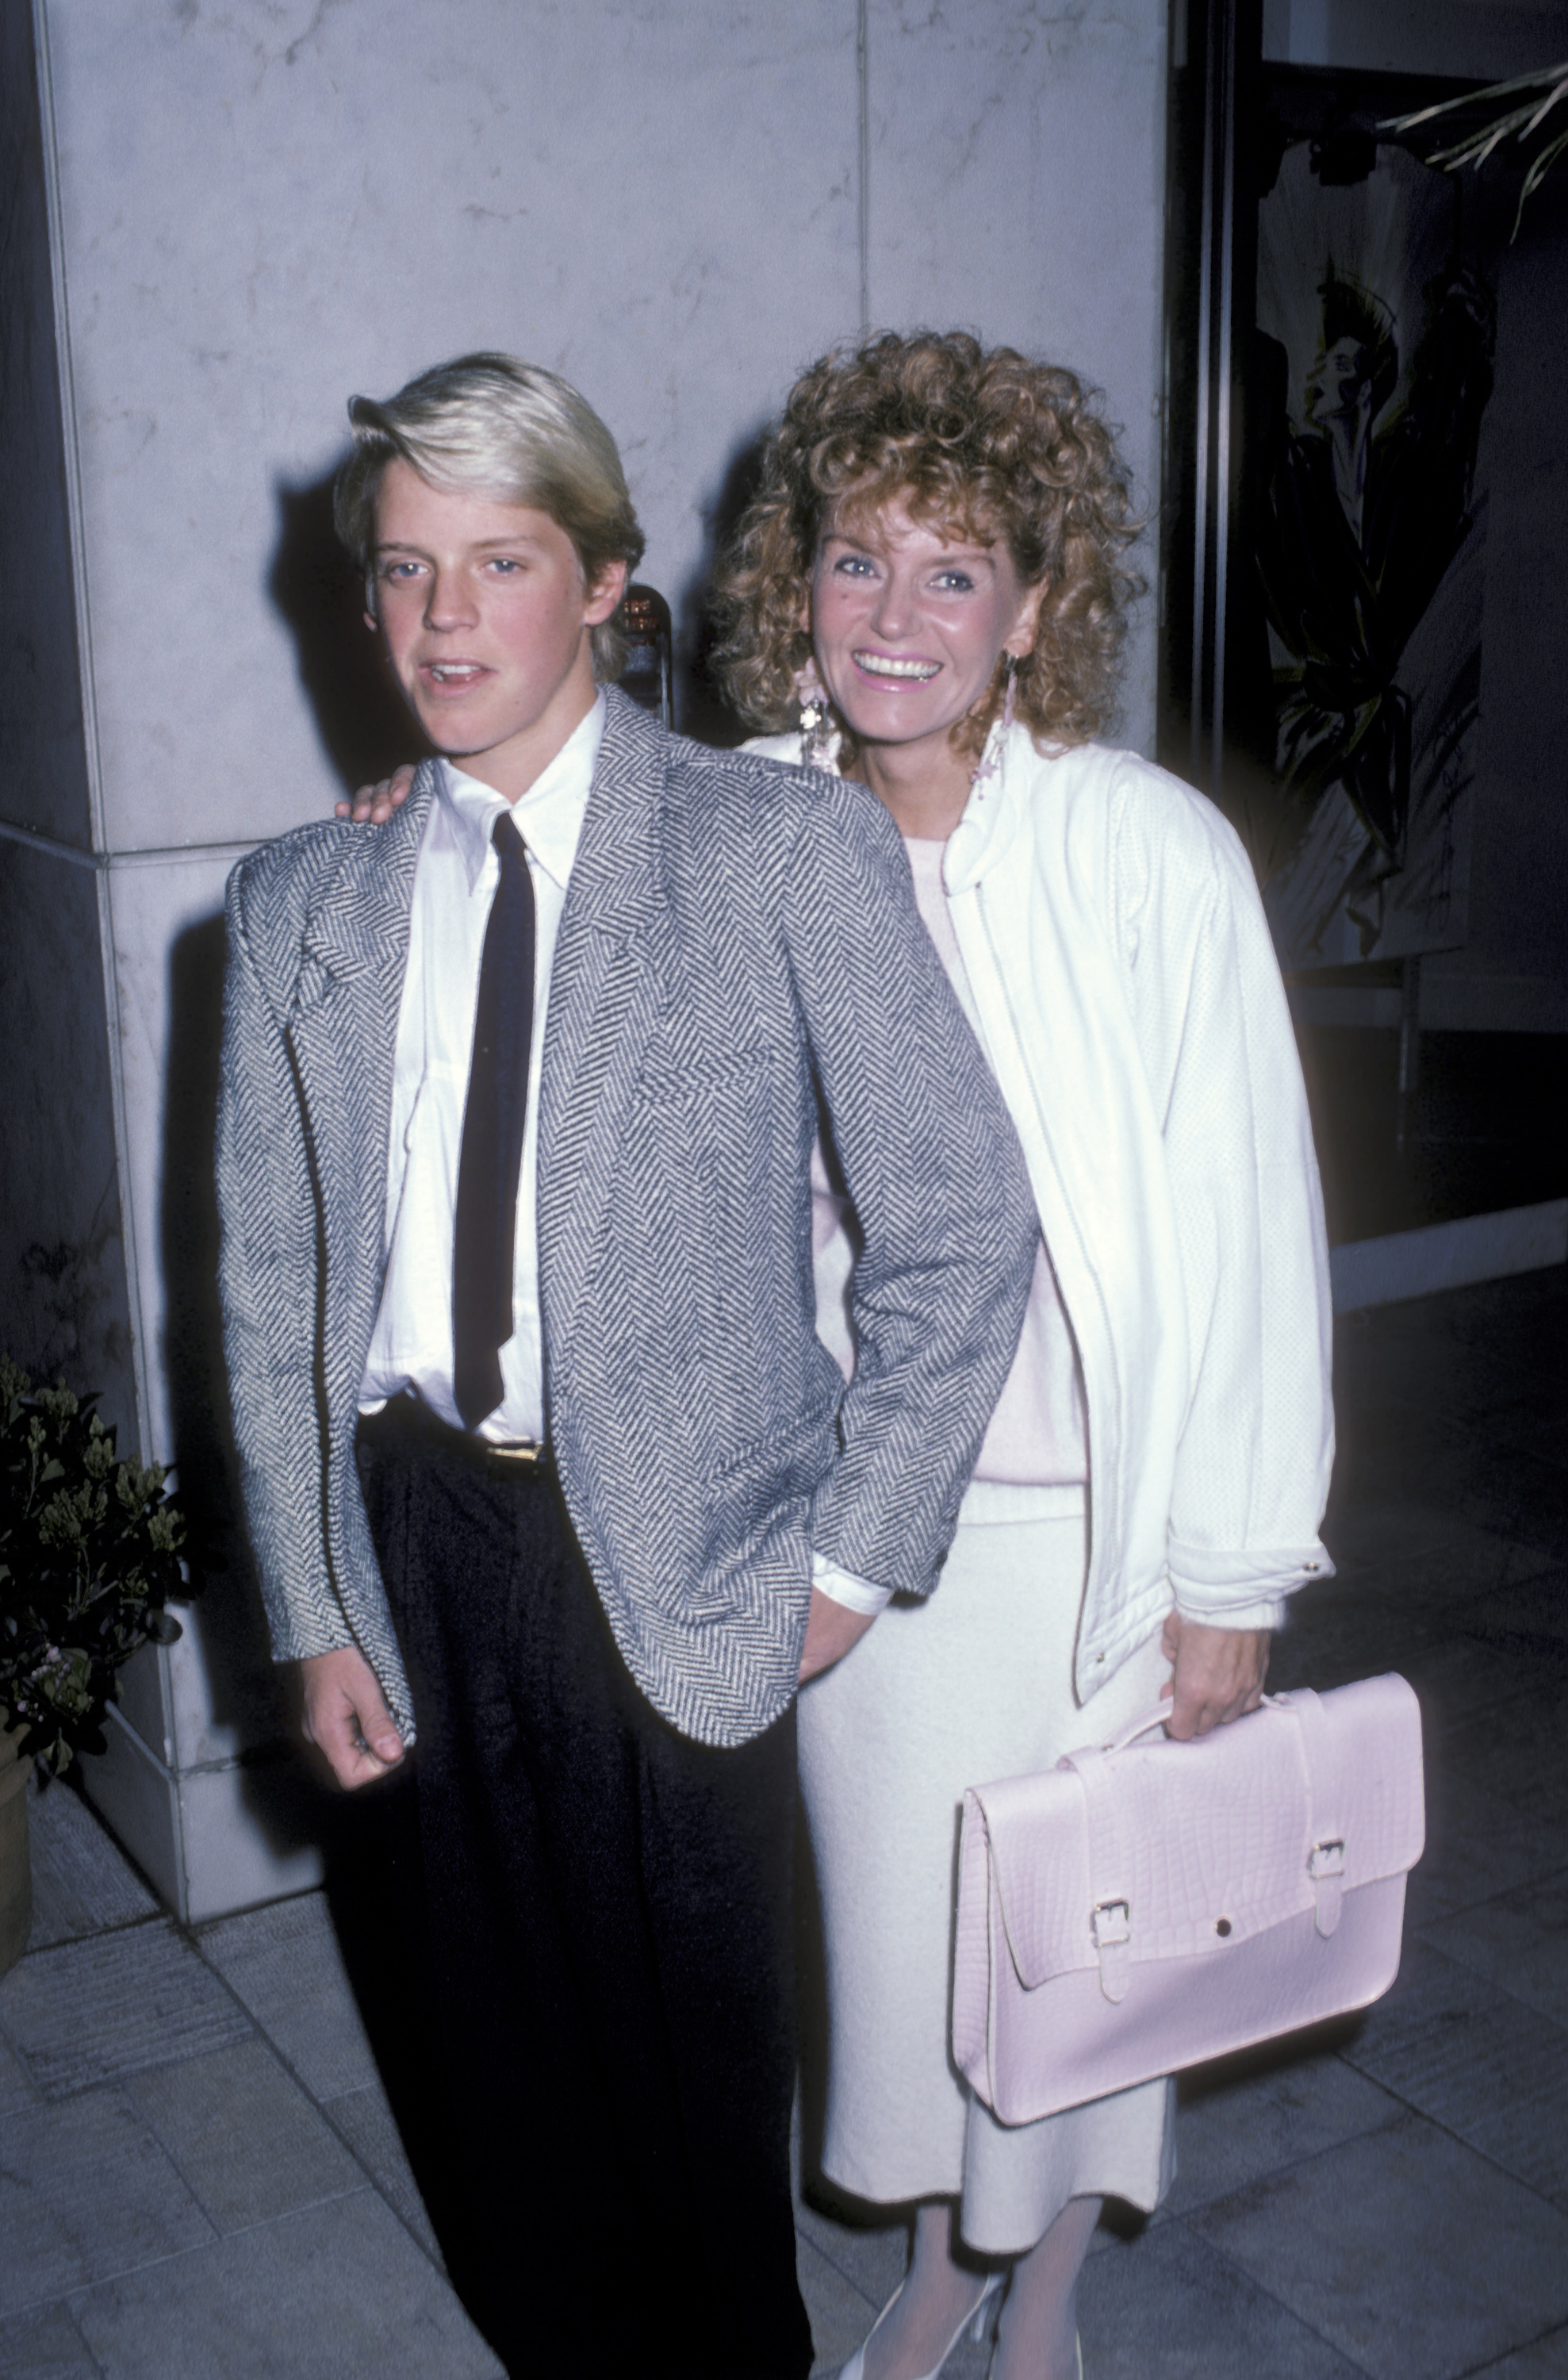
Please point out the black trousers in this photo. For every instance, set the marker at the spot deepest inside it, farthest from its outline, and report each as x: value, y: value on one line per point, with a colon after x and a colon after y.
x: 597, y: 1917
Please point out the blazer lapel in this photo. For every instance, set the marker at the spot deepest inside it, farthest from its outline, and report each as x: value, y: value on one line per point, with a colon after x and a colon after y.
x: 343, y: 1029
x: 606, y: 997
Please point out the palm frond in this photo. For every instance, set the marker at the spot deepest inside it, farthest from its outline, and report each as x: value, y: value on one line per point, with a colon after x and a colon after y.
x: 1545, y: 88
x: 1538, y: 173
x: 1539, y: 80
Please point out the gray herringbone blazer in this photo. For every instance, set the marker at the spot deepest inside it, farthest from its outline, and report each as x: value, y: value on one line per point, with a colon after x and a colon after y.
x: 739, y: 939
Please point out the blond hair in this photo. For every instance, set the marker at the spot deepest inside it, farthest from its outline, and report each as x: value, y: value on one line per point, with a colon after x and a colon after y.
x: 488, y: 425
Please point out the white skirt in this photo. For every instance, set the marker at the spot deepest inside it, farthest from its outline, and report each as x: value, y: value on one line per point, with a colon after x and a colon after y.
x: 974, y: 1684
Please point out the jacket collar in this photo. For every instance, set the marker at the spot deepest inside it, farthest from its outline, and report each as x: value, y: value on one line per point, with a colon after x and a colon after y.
x: 358, y: 921
x: 994, y: 815
x: 357, y: 926
x: 616, y: 874
x: 608, y: 992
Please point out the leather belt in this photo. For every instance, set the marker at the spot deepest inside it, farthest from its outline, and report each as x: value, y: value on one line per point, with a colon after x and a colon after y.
x: 522, y: 1458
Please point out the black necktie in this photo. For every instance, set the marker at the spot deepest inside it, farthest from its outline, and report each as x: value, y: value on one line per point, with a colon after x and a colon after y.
x: 483, y: 1256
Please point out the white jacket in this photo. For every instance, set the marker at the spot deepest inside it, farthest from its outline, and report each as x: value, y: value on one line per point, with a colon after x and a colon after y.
x: 1132, y: 1012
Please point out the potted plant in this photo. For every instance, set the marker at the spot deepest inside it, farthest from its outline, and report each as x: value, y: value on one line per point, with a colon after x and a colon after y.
x: 88, y: 1555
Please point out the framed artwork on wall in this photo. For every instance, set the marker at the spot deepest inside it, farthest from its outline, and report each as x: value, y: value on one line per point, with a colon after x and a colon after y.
x: 1331, y: 334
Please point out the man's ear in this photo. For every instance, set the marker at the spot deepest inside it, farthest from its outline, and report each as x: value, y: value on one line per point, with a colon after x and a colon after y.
x: 605, y: 593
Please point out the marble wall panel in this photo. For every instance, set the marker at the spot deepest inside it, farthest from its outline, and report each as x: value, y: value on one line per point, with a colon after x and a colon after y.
x: 139, y: 1799
x: 143, y: 1699
x: 656, y: 197
x: 250, y: 1834
x: 43, y: 770
x: 209, y: 1841
x: 1016, y: 188
x: 165, y: 919
x: 214, y: 1695
x: 63, y: 1302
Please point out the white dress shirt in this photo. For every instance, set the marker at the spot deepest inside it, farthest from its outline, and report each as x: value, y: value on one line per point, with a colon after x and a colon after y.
x: 454, y: 884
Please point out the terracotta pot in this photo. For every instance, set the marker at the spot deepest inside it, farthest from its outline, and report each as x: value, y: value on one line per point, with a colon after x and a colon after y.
x: 15, y: 1876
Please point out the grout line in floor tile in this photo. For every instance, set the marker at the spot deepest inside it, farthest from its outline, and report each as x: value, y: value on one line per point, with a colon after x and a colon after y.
x: 825, y: 2253
x: 1250, y: 2281
x: 1520, y: 2346
x: 96, y: 2361
x: 159, y: 1916
x: 323, y: 2109
x: 1472, y: 2149
x: 1295, y: 2163
x: 72, y: 2297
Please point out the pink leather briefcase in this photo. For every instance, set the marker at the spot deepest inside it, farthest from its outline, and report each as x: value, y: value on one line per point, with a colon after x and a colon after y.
x: 1140, y: 1908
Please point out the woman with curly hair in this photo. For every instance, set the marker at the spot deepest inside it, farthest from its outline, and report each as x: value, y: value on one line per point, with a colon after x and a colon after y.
x: 928, y: 593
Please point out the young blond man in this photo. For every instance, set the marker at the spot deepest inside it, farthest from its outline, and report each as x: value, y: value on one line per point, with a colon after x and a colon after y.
x: 554, y: 1491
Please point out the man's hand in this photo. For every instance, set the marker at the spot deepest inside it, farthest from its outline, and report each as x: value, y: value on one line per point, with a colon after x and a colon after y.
x: 377, y: 803
x: 1218, y: 1676
x: 346, y: 1717
x: 831, y: 1630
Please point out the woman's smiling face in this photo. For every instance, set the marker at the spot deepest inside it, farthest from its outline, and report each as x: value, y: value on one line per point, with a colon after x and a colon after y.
x: 908, y: 625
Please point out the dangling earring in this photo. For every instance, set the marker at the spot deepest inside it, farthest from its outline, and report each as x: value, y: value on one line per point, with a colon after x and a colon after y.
x: 990, y: 762
x: 1009, y: 687
x: 817, y: 731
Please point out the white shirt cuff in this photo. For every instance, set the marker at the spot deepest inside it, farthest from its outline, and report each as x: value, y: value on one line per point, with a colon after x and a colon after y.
x: 1270, y: 1612
x: 843, y: 1586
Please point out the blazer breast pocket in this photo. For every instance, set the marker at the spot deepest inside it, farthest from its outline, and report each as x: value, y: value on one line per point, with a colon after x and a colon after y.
x: 712, y: 1116
x: 692, y: 1074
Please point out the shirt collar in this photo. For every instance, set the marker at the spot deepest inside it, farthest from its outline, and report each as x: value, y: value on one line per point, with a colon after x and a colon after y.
x: 549, y: 815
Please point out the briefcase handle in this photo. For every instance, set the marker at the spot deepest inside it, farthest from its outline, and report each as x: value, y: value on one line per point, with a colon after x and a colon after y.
x: 1150, y: 1720
x: 1325, y: 1789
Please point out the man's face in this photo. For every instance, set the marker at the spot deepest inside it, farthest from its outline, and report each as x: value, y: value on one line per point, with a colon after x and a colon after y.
x: 1339, y: 383
x: 486, y: 623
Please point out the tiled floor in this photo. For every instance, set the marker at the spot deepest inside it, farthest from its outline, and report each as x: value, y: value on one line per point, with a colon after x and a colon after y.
x: 200, y: 2178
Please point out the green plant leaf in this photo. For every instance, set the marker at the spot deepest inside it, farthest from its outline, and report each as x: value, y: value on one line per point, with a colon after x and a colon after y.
x: 85, y: 1573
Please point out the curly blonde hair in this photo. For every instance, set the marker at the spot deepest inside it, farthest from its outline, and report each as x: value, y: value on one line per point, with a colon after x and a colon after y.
x: 987, y: 447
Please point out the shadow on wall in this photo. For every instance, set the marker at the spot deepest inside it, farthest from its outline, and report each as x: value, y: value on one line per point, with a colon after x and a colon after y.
x: 702, y: 711
x: 365, y: 726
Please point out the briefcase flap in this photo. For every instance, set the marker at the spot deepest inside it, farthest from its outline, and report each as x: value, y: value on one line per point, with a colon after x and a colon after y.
x: 1173, y: 1848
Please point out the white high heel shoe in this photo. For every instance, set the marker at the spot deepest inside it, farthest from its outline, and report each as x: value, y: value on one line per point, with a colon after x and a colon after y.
x: 973, y: 2321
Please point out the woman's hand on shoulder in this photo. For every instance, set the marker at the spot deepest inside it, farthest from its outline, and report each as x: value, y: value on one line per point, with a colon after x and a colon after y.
x: 375, y: 804
x: 1218, y: 1674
